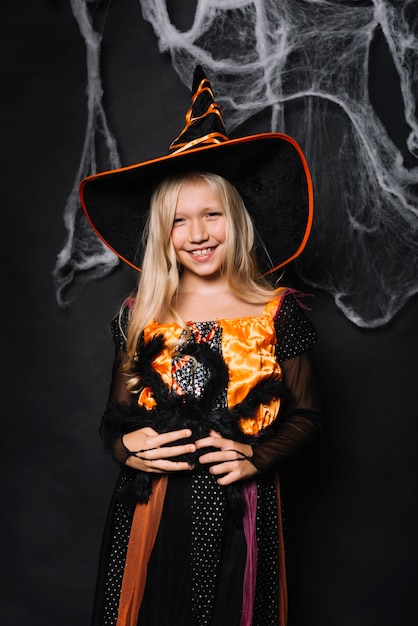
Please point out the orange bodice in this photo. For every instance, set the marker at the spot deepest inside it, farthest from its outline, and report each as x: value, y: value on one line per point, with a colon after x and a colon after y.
x: 248, y: 348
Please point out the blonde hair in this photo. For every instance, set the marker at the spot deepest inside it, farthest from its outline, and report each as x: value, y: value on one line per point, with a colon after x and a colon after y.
x: 160, y: 275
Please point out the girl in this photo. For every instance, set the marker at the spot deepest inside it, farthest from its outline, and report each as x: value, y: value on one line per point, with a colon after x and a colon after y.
x: 212, y: 389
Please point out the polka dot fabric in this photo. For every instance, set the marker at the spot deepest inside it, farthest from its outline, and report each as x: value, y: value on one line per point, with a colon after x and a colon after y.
x: 266, y: 599
x: 116, y: 555
x: 208, y: 504
x: 295, y: 332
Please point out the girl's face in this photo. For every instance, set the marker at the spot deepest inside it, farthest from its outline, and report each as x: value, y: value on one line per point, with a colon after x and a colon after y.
x: 198, y: 233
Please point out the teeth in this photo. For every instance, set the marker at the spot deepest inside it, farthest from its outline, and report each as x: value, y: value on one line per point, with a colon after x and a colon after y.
x: 201, y: 252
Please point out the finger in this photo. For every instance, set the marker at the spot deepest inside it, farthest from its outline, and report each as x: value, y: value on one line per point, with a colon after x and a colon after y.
x: 213, y: 442
x: 222, y: 455
x: 165, y: 452
x: 204, y: 443
x: 214, y: 439
x: 150, y: 432
x: 228, y: 479
x: 211, y: 457
x: 227, y: 473
x: 166, y: 438
x: 219, y: 469
x: 162, y: 466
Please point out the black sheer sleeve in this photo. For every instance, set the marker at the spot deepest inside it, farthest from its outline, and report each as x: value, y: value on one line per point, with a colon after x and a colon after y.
x: 301, y: 420
x: 121, y: 405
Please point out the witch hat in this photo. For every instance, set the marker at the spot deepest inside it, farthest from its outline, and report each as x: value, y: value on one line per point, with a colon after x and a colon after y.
x: 269, y: 171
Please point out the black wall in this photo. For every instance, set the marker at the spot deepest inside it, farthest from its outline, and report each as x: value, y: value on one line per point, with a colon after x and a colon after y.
x: 350, y: 502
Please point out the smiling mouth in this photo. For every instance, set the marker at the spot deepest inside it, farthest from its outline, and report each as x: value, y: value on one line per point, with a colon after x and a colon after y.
x: 202, y: 252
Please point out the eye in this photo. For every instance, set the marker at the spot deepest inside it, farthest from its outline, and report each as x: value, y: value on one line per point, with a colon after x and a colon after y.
x: 213, y: 214
x: 178, y: 220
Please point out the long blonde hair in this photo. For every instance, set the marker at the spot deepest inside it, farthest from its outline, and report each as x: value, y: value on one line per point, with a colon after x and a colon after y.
x: 161, y: 273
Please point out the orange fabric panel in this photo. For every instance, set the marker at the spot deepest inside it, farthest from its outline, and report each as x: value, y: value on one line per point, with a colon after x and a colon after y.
x: 144, y: 530
x: 283, y: 598
x: 248, y: 348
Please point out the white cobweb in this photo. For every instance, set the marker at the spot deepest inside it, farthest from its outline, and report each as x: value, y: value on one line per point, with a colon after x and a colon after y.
x: 307, y: 63
x: 84, y: 256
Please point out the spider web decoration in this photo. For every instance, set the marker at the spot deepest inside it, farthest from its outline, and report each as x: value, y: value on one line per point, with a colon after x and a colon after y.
x: 84, y: 256
x: 306, y: 62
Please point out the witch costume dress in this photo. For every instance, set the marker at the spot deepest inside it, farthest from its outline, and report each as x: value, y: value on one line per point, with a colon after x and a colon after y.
x: 179, y: 549
x: 184, y: 557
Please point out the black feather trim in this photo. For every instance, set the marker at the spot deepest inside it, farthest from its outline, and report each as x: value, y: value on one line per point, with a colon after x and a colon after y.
x: 173, y: 412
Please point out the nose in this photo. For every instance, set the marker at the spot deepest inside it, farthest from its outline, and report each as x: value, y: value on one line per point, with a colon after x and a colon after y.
x: 198, y: 231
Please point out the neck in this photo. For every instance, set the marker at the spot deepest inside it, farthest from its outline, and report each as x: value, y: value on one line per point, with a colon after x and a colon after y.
x: 190, y: 283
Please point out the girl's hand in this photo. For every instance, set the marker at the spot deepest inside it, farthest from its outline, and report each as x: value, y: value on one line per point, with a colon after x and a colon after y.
x: 150, y: 451
x: 231, y: 461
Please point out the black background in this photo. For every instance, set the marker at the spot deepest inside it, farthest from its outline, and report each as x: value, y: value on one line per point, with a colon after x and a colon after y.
x: 351, y: 511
